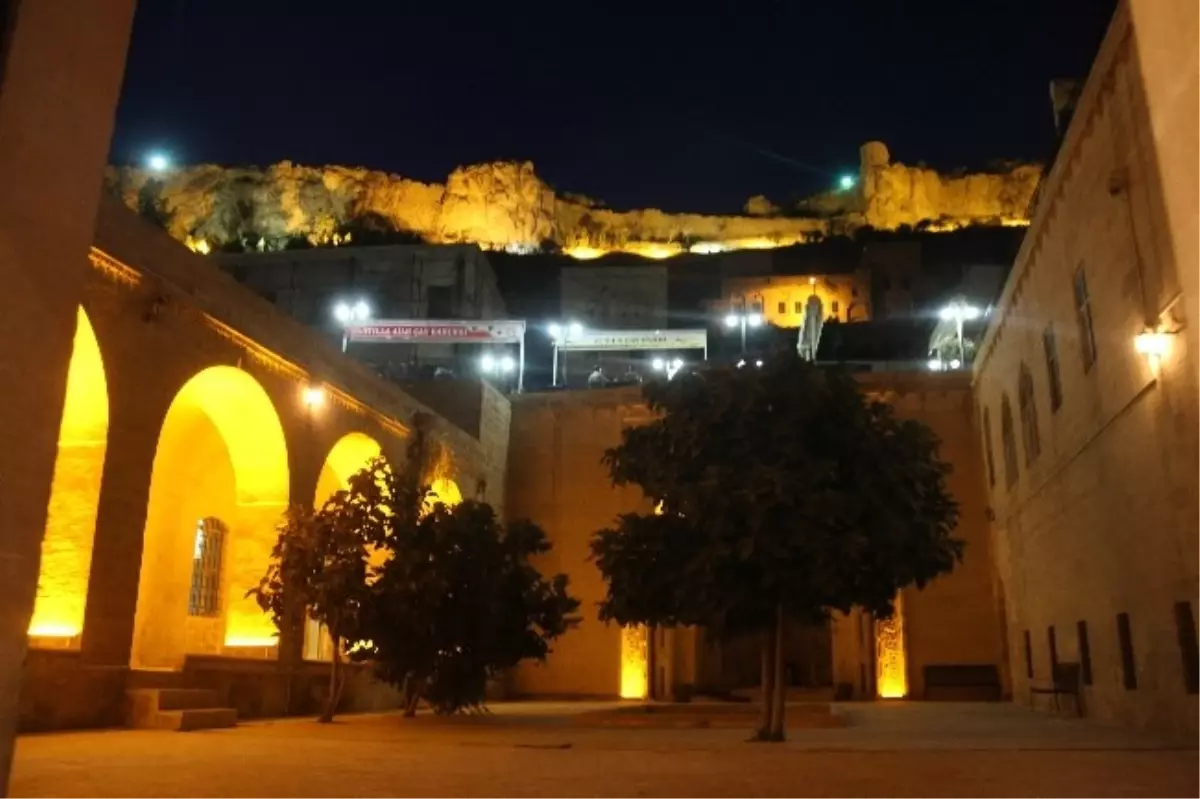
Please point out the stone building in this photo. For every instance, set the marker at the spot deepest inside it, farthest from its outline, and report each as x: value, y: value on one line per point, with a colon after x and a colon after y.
x: 61, y: 63
x: 1086, y: 383
x: 782, y: 299
x: 402, y: 281
x: 557, y: 478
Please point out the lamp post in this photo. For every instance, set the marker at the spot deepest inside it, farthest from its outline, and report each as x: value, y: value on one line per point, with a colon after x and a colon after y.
x: 348, y: 313
x: 561, y: 334
x: 743, y: 320
x: 960, y: 312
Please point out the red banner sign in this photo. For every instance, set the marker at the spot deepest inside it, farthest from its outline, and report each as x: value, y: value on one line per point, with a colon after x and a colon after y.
x: 438, y: 331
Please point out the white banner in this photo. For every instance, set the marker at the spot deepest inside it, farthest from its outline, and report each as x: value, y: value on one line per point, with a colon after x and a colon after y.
x: 438, y: 331
x: 619, y: 340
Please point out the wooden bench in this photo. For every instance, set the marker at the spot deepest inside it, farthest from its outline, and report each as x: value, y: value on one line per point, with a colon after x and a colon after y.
x: 1065, y: 681
x: 962, y: 682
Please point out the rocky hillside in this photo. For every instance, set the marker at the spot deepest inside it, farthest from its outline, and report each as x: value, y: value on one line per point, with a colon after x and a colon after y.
x: 505, y: 205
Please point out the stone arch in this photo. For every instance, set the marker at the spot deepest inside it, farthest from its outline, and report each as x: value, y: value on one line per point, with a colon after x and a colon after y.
x: 446, y: 491
x: 74, y: 496
x: 352, y: 452
x: 222, y: 456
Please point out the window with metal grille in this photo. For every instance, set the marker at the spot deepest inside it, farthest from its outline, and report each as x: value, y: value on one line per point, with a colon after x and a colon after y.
x: 1027, y: 408
x: 799, y: 306
x: 1185, y: 628
x: 1010, y: 442
x: 782, y: 307
x: 1050, y: 346
x: 1085, y: 652
x: 1083, y: 315
x: 205, y: 596
x: 1125, y: 640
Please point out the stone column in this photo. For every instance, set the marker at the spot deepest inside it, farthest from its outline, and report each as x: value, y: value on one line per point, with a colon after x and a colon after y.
x: 61, y: 72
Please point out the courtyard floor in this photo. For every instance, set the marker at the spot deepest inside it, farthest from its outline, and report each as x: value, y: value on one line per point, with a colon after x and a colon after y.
x: 546, y: 749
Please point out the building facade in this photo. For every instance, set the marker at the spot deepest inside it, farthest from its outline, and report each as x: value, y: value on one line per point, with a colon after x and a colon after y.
x: 1087, y: 390
x: 557, y: 479
x: 782, y: 299
x: 394, y: 281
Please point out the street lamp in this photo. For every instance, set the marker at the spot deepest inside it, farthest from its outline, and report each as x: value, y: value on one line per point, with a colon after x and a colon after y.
x: 504, y: 365
x: 561, y: 334
x: 347, y: 313
x: 960, y: 312
x: 158, y: 162
x: 742, y: 321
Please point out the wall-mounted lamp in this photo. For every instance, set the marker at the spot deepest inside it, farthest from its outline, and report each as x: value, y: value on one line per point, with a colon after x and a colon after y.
x: 1153, y: 343
x: 313, y: 397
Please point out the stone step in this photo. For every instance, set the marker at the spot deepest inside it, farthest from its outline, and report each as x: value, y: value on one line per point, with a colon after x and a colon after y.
x: 207, y: 718
x: 186, y: 698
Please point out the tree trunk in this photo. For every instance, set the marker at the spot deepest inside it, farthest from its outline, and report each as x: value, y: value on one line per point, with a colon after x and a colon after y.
x: 331, y: 701
x: 781, y: 683
x: 768, y: 687
x: 412, y: 695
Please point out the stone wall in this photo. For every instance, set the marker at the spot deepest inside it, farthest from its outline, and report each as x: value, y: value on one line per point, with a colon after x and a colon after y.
x: 1098, y: 517
x: 557, y: 479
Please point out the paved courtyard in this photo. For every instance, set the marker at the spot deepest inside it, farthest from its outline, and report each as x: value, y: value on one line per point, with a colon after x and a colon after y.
x: 542, y: 749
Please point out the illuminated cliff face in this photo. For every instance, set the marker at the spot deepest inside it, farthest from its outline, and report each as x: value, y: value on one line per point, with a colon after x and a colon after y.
x: 505, y: 205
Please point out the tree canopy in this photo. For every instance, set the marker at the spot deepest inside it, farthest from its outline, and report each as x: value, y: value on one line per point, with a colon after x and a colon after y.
x: 784, y: 492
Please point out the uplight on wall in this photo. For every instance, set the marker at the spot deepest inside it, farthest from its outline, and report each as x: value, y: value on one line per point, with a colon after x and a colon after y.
x: 313, y: 397
x: 1153, y: 343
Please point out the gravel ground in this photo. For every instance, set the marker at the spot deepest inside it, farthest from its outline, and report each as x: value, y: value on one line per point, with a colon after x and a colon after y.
x: 538, y: 750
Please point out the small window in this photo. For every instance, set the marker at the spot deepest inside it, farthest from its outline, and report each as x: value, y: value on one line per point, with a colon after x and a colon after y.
x: 1185, y: 629
x: 782, y: 308
x: 1083, y: 316
x: 439, y: 302
x: 835, y: 307
x: 1009, y: 441
x: 1027, y: 408
x: 205, y: 596
x: 1085, y: 652
x: 1125, y: 640
x: 1053, y: 378
x: 799, y: 306
x: 987, y: 448
x: 1052, y: 643
x: 1028, y: 656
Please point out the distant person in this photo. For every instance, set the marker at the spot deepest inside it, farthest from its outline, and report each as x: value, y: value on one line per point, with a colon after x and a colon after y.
x: 597, y: 379
x: 631, y: 376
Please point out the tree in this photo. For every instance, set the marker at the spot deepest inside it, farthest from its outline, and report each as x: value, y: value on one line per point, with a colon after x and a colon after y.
x: 785, y: 493
x: 458, y: 600
x: 320, y: 565
x: 152, y: 206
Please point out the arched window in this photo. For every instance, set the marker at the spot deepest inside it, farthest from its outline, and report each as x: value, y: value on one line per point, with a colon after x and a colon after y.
x: 1009, y: 441
x: 1027, y: 408
x: 205, y: 596
x: 987, y: 447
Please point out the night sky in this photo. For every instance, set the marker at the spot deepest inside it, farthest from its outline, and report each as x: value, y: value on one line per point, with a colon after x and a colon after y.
x: 685, y: 107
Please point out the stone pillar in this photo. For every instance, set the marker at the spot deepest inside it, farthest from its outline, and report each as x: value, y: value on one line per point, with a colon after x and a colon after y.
x: 61, y: 68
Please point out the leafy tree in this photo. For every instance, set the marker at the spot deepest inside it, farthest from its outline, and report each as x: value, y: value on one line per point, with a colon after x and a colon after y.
x: 457, y: 601
x: 320, y: 564
x: 785, y: 493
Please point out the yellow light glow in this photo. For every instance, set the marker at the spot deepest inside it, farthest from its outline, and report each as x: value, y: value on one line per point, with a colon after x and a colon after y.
x: 635, y: 663
x: 1152, y: 343
x: 655, y: 250
x: 445, y: 491
x: 351, y: 453
x: 707, y: 247
x: 250, y: 640
x: 584, y: 253
x: 74, y: 493
x: 313, y: 397
x: 222, y: 453
x: 891, y: 660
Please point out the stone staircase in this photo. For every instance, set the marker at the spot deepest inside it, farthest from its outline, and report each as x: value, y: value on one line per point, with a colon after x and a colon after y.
x: 177, y: 709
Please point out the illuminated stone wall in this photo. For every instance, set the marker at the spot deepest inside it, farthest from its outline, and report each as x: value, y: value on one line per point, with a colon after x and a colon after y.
x: 1101, y: 520
x: 782, y: 298
x: 505, y: 205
